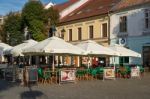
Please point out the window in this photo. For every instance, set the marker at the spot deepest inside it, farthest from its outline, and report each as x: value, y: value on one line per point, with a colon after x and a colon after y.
x: 123, y: 60
x: 147, y: 19
x: 91, y: 32
x: 123, y: 24
x: 79, y: 33
x: 70, y: 34
x: 104, y: 30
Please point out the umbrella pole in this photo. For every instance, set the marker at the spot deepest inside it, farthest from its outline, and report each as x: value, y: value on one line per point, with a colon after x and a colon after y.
x: 114, y: 63
x: 53, y: 67
x: 88, y: 61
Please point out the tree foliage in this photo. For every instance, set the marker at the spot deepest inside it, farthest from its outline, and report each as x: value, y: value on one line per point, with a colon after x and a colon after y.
x: 35, y: 17
x: 12, y: 29
x: 32, y: 10
x: 32, y: 15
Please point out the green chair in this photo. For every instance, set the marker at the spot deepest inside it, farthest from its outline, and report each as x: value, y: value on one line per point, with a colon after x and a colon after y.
x: 40, y: 72
x: 94, y: 73
x: 47, y: 77
x: 80, y: 74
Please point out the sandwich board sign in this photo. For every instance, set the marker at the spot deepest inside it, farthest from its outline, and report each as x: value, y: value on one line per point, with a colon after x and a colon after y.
x: 109, y: 73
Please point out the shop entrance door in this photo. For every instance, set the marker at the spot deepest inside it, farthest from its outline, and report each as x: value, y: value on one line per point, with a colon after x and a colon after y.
x: 146, y: 56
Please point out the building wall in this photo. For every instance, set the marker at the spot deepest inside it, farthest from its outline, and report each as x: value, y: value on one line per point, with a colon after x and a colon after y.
x: 84, y: 24
x: 136, y: 35
x: 135, y: 21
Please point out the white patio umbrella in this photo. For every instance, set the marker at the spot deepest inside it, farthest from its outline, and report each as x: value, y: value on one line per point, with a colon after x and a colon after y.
x: 122, y: 51
x: 4, y: 47
x: 54, y: 45
x: 18, y: 49
x: 93, y: 48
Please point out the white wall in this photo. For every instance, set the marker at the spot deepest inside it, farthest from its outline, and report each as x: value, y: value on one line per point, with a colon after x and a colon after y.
x: 135, y: 22
x: 135, y: 28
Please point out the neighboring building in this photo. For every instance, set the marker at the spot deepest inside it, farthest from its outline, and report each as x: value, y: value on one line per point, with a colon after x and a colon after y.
x: 90, y: 21
x: 130, y: 27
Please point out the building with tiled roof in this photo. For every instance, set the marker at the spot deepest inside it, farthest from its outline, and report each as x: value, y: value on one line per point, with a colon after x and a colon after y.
x: 90, y: 9
x: 92, y: 16
x: 130, y: 27
x: 89, y: 21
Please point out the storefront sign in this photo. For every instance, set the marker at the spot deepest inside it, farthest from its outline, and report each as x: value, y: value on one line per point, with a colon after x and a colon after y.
x: 135, y: 72
x: 67, y: 75
x: 109, y: 73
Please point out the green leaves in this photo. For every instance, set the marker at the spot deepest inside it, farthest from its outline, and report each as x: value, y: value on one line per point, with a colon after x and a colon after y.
x: 35, y: 17
x: 36, y: 28
x: 12, y: 29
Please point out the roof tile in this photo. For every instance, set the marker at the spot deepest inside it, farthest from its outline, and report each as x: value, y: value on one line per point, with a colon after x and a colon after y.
x: 128, y: 3
x: 90, y: 8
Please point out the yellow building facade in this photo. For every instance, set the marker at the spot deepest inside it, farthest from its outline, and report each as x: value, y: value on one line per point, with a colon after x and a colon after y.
x: 90, y: 21
x: 82, y: 28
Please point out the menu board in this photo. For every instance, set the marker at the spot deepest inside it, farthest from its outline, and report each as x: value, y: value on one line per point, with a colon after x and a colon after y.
x: 109, y: 73
x: 32, y: 73
x: 135, y: 72
x: 67, y: 75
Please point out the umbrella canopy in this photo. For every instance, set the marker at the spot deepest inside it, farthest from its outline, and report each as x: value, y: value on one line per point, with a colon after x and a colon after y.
x: 17, y: 50
x: 122, y: 51
x: 93, y: 48
x: 53, y: 45
x: 4, y: 47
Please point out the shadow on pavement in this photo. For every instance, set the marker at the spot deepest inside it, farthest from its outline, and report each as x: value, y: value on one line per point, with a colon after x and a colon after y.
x: 31, y: 94
x: 5, y: 85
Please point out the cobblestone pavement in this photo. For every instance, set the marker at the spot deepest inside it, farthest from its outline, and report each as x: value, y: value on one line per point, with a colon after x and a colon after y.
x: 96, y: 89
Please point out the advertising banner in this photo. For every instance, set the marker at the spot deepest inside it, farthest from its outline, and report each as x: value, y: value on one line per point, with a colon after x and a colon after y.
x: 109, y: 73
x: 67, y: 75
x: 135, y: 72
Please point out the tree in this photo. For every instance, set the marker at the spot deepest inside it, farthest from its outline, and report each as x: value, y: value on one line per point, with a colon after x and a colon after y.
x: 32, y: 15
x: 12, y: 29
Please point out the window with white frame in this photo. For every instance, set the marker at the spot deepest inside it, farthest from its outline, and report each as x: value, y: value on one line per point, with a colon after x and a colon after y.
x: 123, y: 24
x: 147, y: 18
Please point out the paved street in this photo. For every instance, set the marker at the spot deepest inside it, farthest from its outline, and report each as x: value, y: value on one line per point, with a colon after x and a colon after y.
x: 96, y: 89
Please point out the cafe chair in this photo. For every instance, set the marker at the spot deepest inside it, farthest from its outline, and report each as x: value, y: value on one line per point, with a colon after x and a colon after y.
x: 46, y: 77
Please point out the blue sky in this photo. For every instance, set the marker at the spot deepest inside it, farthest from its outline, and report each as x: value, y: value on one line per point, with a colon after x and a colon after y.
x: 15, y: 5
